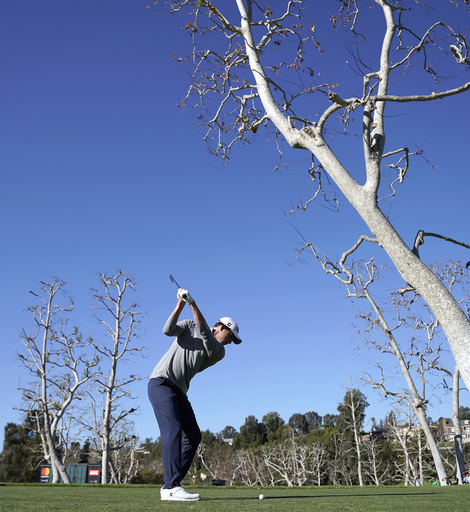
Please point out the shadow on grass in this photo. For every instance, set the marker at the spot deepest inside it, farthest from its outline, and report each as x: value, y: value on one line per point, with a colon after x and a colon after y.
x: 337, y: 496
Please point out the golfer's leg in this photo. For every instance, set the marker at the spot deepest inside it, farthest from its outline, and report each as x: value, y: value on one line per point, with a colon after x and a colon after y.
x: 192, y: 435
x: 165, y: 405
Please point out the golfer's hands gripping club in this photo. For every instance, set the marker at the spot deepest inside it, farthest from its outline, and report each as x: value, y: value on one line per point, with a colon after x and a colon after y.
x: 185, y: 295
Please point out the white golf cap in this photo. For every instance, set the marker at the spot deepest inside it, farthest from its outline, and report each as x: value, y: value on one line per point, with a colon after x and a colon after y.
x: 233, y: 326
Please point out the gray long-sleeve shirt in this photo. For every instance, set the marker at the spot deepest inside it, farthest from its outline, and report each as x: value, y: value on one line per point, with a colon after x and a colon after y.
x: 194, y: 350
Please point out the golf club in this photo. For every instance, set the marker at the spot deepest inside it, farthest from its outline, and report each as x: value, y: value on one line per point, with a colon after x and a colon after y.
x: 173, y: 280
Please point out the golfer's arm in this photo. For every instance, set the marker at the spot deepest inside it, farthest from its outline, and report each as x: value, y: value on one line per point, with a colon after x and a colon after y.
x: 178, y: 308
x: 198, y: 316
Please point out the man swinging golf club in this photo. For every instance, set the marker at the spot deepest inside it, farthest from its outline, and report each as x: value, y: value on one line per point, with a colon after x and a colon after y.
x: 196, y: 348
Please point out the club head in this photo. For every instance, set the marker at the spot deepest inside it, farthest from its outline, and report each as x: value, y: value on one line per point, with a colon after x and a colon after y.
x: 173, y: 280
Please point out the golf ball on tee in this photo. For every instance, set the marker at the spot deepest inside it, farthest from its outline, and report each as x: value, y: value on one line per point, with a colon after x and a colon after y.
x: 261, y: 496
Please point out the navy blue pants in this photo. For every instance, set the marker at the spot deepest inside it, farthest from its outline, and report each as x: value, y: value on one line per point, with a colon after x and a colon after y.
x: 176, y: 420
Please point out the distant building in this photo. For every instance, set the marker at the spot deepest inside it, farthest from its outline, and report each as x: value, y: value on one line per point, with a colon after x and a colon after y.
x: 449, y: 430
x: 379, y: 433
x: 376, y: 434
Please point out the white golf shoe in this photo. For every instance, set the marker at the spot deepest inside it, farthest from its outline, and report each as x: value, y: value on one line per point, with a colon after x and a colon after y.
x: 178, y: 494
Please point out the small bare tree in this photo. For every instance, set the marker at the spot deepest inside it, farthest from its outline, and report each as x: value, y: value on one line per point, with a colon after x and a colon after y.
x: 317, y: 462
x: 416, y: 360
x: 399, y: 425
x: 458, y: 440
x: 123, y: 462
x: 250, y: 469
x: 201, y: 456
x: 352, y: 418
x: 420, y: 356
x: 120, y: 319
x: 282, y: 459
x: 340, y: 472
x: 59, y: 363
x: 375, y: 469
x: 219, y: 464
x: 294, y: 462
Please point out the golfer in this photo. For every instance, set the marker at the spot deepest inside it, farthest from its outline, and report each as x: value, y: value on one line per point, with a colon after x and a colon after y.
x: 196, y: 348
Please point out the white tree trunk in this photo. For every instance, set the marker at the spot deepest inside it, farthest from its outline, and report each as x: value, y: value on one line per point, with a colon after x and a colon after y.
x: 357, y: 438
x: 420, y: 463
x: 431, y: 441
x: 414, y: 399
x: 454, y: 322
x: 104, y: 460
x: 458, y: 443
x: 415, y: 273
x: 121, y: 332
x: 58, y: 468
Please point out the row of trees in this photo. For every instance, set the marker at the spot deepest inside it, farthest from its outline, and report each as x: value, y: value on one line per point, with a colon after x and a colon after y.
x: 79, y: 389
x: 336, y: 452
x: 307, y: 449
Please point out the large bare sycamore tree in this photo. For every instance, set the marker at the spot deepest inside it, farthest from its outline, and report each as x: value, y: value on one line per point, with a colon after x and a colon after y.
x: 244, y: 78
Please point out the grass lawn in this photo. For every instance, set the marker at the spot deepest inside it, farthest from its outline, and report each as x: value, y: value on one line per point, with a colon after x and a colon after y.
x: 97, y: 498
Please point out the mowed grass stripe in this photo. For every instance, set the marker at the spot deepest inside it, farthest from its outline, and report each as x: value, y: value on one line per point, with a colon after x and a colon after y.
x: 88, y: 498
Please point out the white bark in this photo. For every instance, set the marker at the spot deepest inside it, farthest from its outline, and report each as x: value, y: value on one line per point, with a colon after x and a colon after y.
x: 250, y: 468
x: 355, y: 425
x: 317, y: 460
x: 277, y: 108
x: 403, y: 435
x: 414, y: 398
x: 364, y: 198
x: 120, y: 321
x: 458, y: 443
x: 57, y: 362
x: 377, y: 472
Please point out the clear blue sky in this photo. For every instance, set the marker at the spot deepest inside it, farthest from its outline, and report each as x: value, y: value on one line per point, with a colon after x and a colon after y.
x: 101, y: 171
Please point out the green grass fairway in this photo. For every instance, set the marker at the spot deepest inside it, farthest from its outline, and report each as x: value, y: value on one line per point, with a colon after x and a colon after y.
x: 91, y: 498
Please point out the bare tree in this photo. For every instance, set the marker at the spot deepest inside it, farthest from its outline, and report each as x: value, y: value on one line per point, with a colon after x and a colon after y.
x: 352, y: 418
x: 240, y: 85
x: 123, y: 462
x: 400, y: 426
x: 201, y: 456
x: 292, y: 461
x: 458, y: 439
x: 317, y: 461
x: 120, y: 317
x: 421, y: 354
x: 219, y: 463
x: 340, y: 472
x: 455, y: 277
x: 282, y: 459
x: 414, y: 361
x: 250, y: 468
x: 377, y: 471
x: 59, y: 363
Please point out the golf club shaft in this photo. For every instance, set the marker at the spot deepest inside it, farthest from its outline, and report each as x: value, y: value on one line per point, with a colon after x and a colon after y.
x: 173, y: 280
